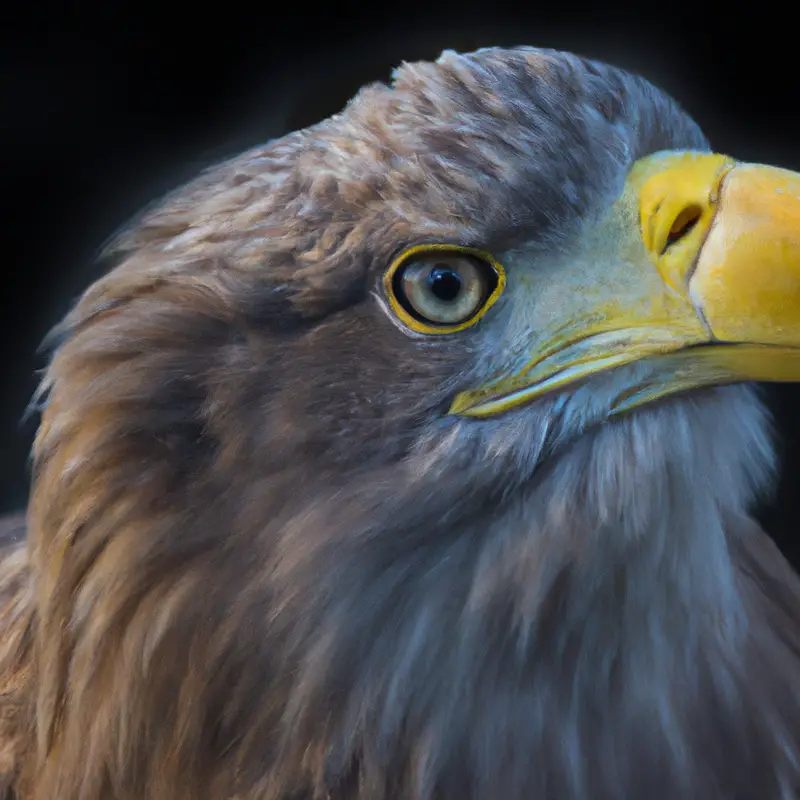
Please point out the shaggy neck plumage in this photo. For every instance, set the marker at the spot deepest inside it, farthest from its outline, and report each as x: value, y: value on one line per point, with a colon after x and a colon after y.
x: 589, y: 631
x: 549, y: 627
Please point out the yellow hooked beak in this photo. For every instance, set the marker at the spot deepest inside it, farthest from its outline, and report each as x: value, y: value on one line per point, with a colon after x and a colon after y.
x: 704, y: 285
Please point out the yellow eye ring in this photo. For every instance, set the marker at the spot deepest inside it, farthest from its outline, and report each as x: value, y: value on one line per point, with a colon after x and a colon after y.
x: 412, y: 255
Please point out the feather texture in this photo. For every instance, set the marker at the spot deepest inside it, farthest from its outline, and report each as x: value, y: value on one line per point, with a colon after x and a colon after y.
x: 261, y: 563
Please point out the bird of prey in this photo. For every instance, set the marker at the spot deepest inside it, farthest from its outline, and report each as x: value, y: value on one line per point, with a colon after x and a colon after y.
x: 410, y: 457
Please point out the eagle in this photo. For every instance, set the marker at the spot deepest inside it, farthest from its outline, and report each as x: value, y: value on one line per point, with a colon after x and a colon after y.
x: 410, y: 456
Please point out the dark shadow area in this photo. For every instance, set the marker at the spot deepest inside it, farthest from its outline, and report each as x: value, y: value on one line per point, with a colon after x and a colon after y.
x: 102, y: 115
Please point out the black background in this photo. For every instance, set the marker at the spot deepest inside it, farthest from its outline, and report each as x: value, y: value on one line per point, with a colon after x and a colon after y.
x: 104, y: 108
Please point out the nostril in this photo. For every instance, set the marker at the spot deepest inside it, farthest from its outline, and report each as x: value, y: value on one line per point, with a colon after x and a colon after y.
x: 682, y: 225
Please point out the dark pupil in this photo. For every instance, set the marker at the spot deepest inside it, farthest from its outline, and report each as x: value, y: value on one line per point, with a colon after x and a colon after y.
x: 445, y: 283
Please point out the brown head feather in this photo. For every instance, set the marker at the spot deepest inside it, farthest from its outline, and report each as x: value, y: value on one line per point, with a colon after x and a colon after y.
x: 262, y: 565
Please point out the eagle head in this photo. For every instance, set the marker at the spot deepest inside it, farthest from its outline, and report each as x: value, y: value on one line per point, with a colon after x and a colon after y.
x: 410, y: 456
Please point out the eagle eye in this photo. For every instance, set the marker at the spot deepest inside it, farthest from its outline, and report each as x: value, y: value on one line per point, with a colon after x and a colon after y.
x: 443, y: 288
